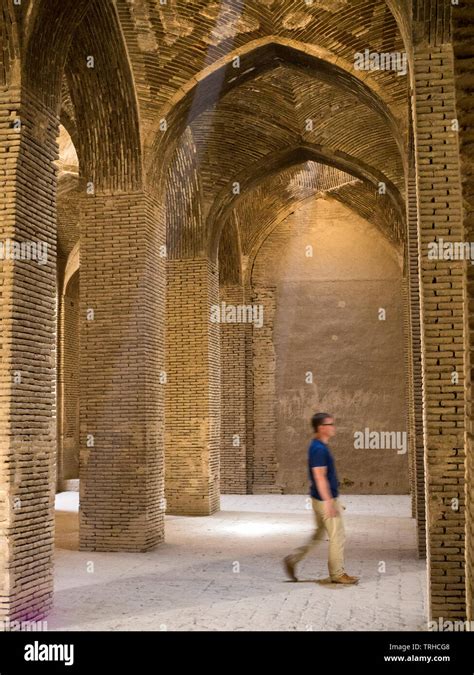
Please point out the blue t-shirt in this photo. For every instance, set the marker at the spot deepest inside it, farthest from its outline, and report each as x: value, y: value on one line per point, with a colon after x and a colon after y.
x: 320, y: 455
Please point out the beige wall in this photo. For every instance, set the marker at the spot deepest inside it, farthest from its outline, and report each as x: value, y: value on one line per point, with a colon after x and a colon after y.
x: 326, y: 322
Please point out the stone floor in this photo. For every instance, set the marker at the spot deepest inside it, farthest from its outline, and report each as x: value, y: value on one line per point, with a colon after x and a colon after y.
x: 224, y: 572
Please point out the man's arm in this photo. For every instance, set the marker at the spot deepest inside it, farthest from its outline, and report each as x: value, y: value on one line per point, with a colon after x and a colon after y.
x: 322, y: 483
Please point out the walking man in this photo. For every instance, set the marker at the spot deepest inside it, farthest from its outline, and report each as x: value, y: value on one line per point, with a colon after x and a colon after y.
x: 326, y: 505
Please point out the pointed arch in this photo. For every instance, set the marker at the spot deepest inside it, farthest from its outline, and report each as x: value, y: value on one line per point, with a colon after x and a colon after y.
x: 274, y: 163
x: 211, y: 84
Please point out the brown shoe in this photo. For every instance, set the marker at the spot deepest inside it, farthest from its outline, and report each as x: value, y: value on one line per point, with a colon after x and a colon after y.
x: 290, y: 567
x: 354, y: 579
x: 345, y: 579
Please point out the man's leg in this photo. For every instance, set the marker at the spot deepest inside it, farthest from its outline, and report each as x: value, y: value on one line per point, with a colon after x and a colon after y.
x: 337, y: 536
x: 302, y: 551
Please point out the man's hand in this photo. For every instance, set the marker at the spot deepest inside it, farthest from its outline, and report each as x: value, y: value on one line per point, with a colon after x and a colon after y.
x: 320, y: 476
x: 331, y: 509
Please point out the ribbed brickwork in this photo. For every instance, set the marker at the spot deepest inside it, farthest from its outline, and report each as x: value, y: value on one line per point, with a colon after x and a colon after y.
x: 273, y: 198
x: 108, y: 129
x: 28, y: 364
x: 156, y: 32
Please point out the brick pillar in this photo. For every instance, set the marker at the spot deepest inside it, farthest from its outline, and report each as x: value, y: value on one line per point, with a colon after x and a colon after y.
x: 264, y: 396
x: 443, y: 309
x: 122, y: 353
x: 249, y: 402
x: 193, y: 396
x: 68, y: 385
x: 416, y: 385
x: 27, y: 344
x: 410, y: 411
x: 233, y: 413
x: 463, y: 40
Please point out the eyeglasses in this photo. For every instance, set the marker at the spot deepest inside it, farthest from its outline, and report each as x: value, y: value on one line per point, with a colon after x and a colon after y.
x: 328, y: 424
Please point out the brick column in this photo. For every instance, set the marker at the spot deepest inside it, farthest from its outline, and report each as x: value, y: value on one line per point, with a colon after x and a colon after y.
x: 233, y: 474
x: 193, y: 394
x: 416, y: 384
x: 463, y: 41
x: 249, y: 402
x: 264, y: 396
x: 443, y: 332
x: 122, y: 353
x: 28, y: 148
x: 410, y: 412
x: 68, y: 385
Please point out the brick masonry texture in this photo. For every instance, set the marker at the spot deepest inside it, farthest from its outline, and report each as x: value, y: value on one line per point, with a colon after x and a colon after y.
x: 442, y: 298
x: 122, y: 459
x: 463, y: 43
x: 193, y: 389
x: 68, y: 384
x: 416, y: 378
x: 27, y: 198
x: 178, y: 155
x: 234, y: 428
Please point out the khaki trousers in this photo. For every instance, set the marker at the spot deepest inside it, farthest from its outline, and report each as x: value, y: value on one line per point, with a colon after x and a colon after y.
x: 334, y: 527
